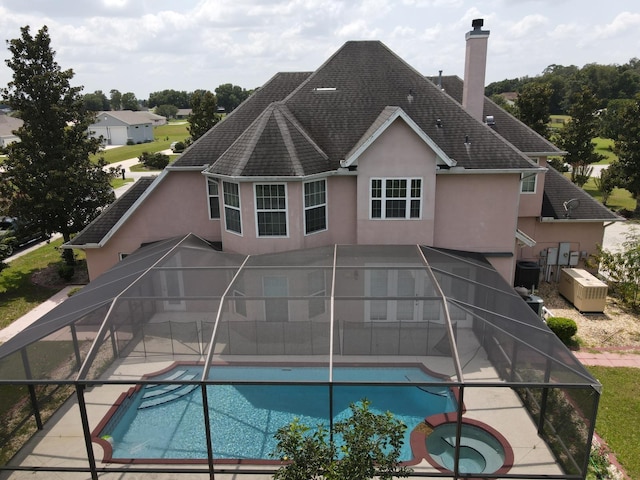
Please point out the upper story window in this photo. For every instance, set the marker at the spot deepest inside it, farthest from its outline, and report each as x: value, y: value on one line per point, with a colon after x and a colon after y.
x: 528, y: 181
x: 271, y: 210
x: 315, y: 206
x: 214, y: 199
x: 396, y: 198
x: 232, y: 217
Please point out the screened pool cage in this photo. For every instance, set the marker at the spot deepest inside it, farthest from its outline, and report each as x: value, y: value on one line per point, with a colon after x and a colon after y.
x: 242, y: 345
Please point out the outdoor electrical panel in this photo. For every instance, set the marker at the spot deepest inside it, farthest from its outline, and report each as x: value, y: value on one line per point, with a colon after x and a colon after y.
x: 573, y: 258
x: 563, y: 253
x: 552, y: 256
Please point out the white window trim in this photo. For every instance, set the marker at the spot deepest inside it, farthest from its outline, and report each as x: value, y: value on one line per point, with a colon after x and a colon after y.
x: 286, y: 209
x: 305, y: 208
x: 407, y: 199
x: 207, y: 181
x: 239, y: 208
x: 535, y: 180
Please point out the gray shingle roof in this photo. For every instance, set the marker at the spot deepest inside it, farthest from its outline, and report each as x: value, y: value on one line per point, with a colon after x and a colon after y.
x: 558, y: 189
x: 96, y: 230
x: 274, y: 142
x: 506, y: 125
x: 208, y: 148
x: 129, y: 116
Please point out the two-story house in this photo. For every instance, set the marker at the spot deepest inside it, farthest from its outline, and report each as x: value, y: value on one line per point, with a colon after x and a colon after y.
x: 365, y: 150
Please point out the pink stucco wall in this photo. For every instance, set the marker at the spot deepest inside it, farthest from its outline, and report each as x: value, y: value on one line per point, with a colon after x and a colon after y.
x: 530, y: 202
x: 397, y: 145
x: 177, y: 206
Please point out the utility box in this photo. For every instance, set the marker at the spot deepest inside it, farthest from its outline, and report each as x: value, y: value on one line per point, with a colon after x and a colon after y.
x: 583, y: 290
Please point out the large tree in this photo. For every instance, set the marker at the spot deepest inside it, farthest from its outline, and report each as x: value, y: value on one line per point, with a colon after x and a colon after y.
x: 532, y: 106
x: 576, y: 138
x: 627, y: 147
x: 48, y: 176
x: 203, y: 113
x: 230, y: 96
x: 115, y: 99
x: 130, y: 102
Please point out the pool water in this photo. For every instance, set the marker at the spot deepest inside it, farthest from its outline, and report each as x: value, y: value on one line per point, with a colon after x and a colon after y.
x: 480, y: 451
x: 244, y: 418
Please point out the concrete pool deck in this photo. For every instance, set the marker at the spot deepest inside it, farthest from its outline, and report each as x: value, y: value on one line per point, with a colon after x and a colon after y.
x: 61, y: 442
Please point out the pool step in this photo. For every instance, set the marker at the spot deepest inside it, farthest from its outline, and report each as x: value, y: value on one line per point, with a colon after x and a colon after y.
x: 159, y: 394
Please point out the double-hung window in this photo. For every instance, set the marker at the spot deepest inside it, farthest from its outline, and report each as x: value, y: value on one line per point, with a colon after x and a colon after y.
x: 528, y: 181
x: 232, y: 218
x: 271, y: 210
x: 315, y: 206
x: 214, y: 199
x: 396, y: 198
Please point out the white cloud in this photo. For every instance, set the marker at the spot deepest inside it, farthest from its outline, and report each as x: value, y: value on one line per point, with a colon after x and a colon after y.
x: 527, y: 26
x: 622, y: 23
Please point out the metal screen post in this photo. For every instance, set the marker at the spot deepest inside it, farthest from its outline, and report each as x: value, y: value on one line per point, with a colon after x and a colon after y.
x: 545, y: 397
x: 76, y: 348
x: 32, y: 389
x: 207, y: 429
x: 456, y: 458
x: 85, y: 428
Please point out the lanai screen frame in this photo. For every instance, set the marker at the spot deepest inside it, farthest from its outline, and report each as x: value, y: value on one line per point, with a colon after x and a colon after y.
x: 499, y: 315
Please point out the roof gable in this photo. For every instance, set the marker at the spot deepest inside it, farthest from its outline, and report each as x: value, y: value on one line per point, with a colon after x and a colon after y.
x: 384, y: 120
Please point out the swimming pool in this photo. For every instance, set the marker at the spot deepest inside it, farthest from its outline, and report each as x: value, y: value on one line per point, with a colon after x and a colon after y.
x: 162, y: 422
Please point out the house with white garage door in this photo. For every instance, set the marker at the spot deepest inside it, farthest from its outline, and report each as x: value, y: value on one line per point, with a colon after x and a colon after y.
x: 122, y: 127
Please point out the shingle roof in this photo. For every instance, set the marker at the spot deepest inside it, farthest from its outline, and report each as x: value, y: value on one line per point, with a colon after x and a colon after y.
x: 208, y: 148
x: 129, y: 116
x: 9, y: 124
x: 96, y: 230
x: 558, y: 189
x: 506, y: 125
x: 274, y: 142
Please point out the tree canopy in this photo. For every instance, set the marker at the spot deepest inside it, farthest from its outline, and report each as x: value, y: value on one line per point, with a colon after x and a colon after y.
x: 179, y: 99
x: 532, y: 106
x: 230, y: 96
x: 576, y: 138
x: 130, y: 102
x: 627, y: 147
x: 48, y: 178
x: 203, y: 113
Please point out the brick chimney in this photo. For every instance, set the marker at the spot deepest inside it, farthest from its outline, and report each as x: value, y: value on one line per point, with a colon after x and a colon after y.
x: 475, y: 66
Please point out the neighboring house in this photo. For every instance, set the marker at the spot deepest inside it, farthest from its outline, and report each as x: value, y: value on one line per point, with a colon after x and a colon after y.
x: 8, y: 125
x: 365, y: 150
x: 120, y: 127
x: 154, y: 118
x: 183, y: 113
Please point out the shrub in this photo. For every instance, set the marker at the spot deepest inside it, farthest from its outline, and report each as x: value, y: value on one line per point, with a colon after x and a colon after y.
x: 154, y: 161
x: 179, y: 147
x: 564, y: 328
x: 66, y: 272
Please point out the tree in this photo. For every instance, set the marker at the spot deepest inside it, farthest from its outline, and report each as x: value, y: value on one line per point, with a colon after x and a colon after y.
x: 576, y: 138
x: 230, y: 96
x: 627, y: 147
x: 370, y: 446
x: 532, y: 106
x: 96, y: 101
x: 130, y: 102
x: 48, y: 177
x: 115, y: 99
x: 203, y: 113
x: 169, y: 111
x: 180, y: 99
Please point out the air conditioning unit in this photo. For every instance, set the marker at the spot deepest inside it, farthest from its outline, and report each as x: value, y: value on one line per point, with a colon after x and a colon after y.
x: 583, y: 290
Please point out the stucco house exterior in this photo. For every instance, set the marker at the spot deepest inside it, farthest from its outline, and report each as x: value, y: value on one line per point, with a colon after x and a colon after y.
x: 122, y: 126
x: 364, y: 150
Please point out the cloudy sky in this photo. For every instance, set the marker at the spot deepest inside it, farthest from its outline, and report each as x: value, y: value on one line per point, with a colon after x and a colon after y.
x: 142, y: 46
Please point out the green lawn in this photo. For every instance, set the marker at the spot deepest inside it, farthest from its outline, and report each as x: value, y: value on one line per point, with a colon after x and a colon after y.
x: 163, y: 135
x: 619, y: 414
x: 619, y: 198
x: 604, y: 147
x: 18, y: 295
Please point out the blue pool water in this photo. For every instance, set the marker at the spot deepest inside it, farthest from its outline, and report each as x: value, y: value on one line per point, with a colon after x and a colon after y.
x: 480, y: 452
x: 244, y: 418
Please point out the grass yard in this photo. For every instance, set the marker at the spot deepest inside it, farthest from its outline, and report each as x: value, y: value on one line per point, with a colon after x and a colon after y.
x: 619, y: 198
x: 619, y: 414
x: 18, y: 294
x: 604, y: 147
x: 163, y: 135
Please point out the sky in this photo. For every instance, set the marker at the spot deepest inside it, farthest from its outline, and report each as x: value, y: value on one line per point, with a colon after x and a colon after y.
x: 145, y: 46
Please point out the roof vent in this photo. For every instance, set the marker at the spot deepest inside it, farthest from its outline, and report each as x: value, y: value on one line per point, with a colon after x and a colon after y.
x: 438, y: 123
x: 324, y: 89
x: 489, y: 120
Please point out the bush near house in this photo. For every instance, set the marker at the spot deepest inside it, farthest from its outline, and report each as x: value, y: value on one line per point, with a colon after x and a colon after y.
x: 154, y: 161
x: 564, y: 328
